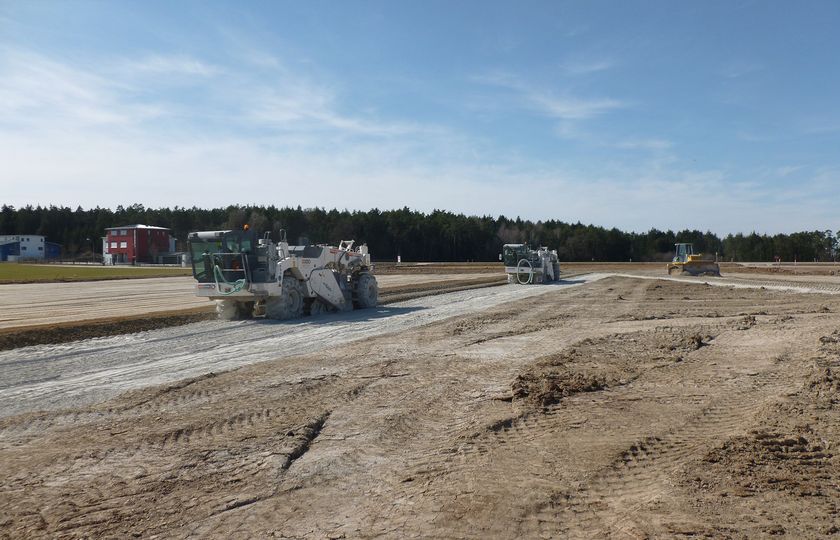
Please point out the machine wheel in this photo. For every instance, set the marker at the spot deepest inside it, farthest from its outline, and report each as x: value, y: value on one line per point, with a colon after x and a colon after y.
x: 316, y: 307
x: 289, y: 305
x: 231, y: 310
x: 365, y: 291
x: 519, y: 273
x: 674, y: 271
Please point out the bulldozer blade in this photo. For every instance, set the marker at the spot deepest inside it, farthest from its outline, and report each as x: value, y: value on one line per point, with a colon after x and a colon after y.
x: 701, y: 268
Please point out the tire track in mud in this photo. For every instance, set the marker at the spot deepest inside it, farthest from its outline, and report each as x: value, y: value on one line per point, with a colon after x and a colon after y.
x: 169, y: 397
x: 285, y: 433
x: 640, y: 474
x: 641, y: 471
x: 609, y: 502
x: 244, y: 424
x: 100, y: 507
x: 481, y: 329
x: 399, y: 410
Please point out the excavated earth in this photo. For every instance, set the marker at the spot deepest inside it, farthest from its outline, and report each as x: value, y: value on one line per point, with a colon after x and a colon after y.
x: 615, y: 408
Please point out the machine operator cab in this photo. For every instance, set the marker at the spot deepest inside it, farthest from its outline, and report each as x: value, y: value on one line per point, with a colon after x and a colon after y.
x: 227, y: 256
x: 683, y: 251
x: 513, y: 253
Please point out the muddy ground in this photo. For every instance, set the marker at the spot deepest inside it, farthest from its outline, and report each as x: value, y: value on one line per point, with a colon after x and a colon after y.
x: 622, y: 408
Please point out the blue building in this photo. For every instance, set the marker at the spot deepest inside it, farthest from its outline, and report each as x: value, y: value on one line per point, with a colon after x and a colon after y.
x: 15, y: 247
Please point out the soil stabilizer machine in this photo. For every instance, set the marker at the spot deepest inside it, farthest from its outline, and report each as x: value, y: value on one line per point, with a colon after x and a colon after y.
x: 525, y: 266
x: 256, y: 277
x: 686, y: 262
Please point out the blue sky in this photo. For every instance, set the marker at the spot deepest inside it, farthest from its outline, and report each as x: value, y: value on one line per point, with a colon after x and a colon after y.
x: 721, y: 116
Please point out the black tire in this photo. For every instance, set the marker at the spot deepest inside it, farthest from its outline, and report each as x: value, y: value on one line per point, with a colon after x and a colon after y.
x: 365, y: 291
x: 289, y: 305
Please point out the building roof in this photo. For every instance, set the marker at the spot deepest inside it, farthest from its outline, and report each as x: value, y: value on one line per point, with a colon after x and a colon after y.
x: 138, y: 227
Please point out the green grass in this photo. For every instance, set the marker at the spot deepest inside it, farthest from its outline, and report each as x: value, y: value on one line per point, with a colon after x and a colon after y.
x: 36, y: 273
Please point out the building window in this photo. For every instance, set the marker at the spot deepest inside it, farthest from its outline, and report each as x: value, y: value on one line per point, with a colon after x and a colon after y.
x: 123, y: 244
x: 113, y: 244
x: 40, y: 248
x: 123, y: 232
x: 23, y: 248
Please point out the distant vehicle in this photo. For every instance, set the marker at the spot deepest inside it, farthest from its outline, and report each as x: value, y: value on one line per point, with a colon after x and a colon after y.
x: 687, y: 262
x: 255, y: 277
x: 525, y: 266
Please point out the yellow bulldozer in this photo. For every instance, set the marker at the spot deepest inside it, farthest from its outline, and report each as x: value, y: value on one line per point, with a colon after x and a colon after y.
x: 686, y: 262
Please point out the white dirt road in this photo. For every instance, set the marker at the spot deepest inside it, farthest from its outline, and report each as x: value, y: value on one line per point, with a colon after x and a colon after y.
x: 73, y: 374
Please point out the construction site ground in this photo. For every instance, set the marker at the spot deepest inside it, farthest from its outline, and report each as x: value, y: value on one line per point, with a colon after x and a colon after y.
x: 38, y: 304
x: 619, y: 403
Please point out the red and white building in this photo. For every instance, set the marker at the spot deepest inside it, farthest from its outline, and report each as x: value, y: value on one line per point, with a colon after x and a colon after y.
x: 132, y: 244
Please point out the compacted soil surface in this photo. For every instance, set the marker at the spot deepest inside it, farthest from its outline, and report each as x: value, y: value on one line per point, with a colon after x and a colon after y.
x: 618, y: 408
x: 35, y: 314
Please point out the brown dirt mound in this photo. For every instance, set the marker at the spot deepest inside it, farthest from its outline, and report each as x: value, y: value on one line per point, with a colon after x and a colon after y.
x: 544, y: 389
x: 596, y: 364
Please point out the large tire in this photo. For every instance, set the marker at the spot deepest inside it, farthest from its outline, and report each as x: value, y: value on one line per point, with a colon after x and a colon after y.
x: 365, y: 291
x: 316, y: 308
x: 289, y: 305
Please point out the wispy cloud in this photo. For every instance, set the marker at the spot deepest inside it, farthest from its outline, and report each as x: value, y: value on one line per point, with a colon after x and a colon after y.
x: 586, y: 67
x: 301, y: 105
x: 68, y: 132
x: 644, y: 144
x: 818, y: 125
x: 571, y: 108
x: 35, y: 90
x: 787, y: 170
x: 172, y: 65
x: 739, y: 68
x: 559, y: 105
x: 756, y: 137
x: 44, y: 94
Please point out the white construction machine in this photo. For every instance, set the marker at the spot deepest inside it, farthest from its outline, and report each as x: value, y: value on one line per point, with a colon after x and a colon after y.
x: 256, y: 277
x: 524, y: 265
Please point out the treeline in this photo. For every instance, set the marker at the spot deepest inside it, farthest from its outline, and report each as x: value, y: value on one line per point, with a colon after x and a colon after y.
x: 416, y: 236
